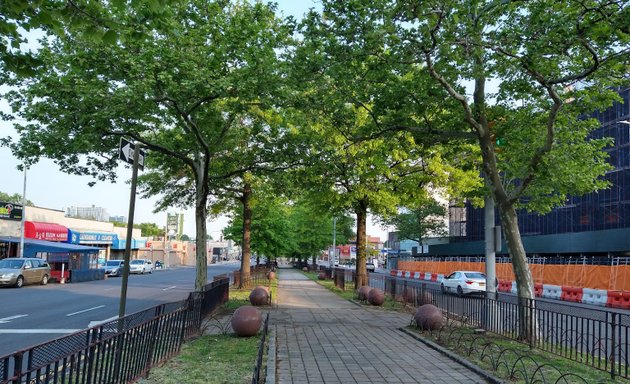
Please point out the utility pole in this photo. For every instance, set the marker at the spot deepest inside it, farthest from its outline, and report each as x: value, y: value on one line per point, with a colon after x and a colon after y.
x: 23, y: 215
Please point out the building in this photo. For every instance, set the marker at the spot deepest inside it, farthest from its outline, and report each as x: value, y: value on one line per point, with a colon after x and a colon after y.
x: 71, y: 245
x: 90, y: 213
x: 595, y: 225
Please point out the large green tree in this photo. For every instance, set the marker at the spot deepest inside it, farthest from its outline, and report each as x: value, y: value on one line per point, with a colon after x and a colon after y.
x: 176, y: 87
x: 426, y: 218
x: 552, y: 63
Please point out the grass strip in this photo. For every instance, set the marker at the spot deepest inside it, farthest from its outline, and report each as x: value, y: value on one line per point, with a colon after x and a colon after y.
x: 209, y: 359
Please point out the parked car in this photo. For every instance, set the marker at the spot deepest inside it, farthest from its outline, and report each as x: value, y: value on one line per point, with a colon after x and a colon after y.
x: 114, y: 267
x: 18, y: 271
x: 464, y: 282
x: 141, y: 266
x: 370, y: 267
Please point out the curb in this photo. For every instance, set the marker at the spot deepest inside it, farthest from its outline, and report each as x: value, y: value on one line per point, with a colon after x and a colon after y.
x: 271, y: 358
x: 485, y: 374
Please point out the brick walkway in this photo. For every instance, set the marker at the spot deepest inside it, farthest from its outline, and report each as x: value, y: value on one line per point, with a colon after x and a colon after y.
x: 322, y: 338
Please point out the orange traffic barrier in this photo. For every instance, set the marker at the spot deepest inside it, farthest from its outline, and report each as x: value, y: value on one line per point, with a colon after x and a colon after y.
x: 618, y: 299
x: 571, y: 294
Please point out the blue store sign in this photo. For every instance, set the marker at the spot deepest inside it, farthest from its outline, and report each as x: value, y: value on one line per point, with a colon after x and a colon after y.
x: 92, y: 237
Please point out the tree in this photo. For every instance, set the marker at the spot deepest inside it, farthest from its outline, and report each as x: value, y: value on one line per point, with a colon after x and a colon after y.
x: 14, y: 198
x: 554, y: 62
x: 427, y: 219
x: 344, y: 98
x: 176, y: 87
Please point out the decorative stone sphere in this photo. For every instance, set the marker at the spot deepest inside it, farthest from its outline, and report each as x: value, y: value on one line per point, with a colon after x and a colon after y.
x: 271, y: 275
x: 259, y: 296
x: 428, y: 317
x: 322, y: 276
x: 363, y: 292
x: 305, y: 269
x: 376, y: 297
x: 246, y: 321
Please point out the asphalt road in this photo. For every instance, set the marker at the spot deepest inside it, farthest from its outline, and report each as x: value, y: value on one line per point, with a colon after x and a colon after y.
x: 34, y: 314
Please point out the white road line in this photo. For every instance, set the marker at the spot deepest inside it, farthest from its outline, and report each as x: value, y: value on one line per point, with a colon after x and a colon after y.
x: 8, y: 319
x: 99, y: 322
x: 85, y: 310
x: 169, y: 288
x: 5, y: 331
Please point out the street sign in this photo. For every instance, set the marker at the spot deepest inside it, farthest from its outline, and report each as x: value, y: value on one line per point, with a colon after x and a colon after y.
x: 125, y: 152
x: 171, y: 222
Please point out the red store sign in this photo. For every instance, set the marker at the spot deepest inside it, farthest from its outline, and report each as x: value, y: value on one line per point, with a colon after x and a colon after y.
x: 45, y: 231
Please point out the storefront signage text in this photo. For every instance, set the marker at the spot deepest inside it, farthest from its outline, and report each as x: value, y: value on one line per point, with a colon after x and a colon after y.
x: 10, y: 211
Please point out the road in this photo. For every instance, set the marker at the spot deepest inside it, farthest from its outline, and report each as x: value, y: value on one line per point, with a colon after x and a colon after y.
x: 34, y: 314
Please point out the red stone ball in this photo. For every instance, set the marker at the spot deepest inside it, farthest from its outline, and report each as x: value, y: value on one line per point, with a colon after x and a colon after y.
x: 322, y: 276
x: 271, y: 275
x: 246, y: 321
x: 305, y: 269
x: 428, y: 317
x: 376, y: 296
x: 363, y: 292
x: 259, y: 296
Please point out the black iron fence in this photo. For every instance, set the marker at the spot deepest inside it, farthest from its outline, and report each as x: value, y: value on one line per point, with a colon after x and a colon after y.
x: 258, y: 377
x: 119, y: 351
x: 595, y: 337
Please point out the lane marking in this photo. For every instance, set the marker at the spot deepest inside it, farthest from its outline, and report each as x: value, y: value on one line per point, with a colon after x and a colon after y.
x: 5, y: 331
x: 85, y: 310
x: 8, y: 319
x: 169, y: 288
x: 99, y: 322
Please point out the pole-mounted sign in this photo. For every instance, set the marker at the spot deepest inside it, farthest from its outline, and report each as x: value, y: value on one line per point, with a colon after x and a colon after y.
x: 125, y: 152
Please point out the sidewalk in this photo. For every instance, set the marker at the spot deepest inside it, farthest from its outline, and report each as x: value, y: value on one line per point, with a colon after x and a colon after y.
x: 322, y: 338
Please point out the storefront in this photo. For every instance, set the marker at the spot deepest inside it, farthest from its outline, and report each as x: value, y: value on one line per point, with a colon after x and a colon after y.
x: 118, y: 248
x: 103, y: 241
x: 77, y: 262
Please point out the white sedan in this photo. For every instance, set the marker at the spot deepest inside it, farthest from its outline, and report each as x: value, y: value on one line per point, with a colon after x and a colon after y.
x: 140, y: 266
x: 464, y: 282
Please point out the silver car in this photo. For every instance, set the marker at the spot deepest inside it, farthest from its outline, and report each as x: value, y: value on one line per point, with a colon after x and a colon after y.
x: 141, y: 266
x: 114, y: 267
x: 17, y: 271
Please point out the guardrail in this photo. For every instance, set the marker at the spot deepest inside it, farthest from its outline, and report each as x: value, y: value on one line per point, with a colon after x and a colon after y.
x: 596, y: 337
x: 118, y: 351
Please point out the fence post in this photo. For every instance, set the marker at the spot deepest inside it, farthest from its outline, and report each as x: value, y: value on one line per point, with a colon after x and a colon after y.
x: 17, y: 368
x: 613, y: 348
x: 92, y: 335
x: 154, y: 337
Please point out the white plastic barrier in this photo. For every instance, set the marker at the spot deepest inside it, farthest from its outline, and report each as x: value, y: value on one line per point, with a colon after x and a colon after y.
x: 427, y: 276
x: 514, y: 290
x: 417, y: 275
x: 399, y: 273
x: 440, y: 277
x: 595, y: 296
x: 407, y: 274
x: 552, y: 291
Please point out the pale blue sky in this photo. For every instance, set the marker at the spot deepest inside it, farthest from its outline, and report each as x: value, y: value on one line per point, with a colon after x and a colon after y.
x: 48, y: 187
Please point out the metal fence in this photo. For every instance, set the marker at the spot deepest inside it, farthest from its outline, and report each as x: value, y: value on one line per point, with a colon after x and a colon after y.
x: 119, y: 351
x: 595, y: 337
x: 258, y: 377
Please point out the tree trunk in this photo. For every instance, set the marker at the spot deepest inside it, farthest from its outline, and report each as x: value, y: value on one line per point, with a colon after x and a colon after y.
x: 361, y: 212
x: 201, y: 213
x: 247, y: 233
x: 524, y: 281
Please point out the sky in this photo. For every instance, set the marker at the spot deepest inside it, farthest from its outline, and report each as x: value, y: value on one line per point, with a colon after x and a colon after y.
x: 48, y: 187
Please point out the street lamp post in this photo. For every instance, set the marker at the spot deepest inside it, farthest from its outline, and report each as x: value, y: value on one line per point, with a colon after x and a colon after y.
x: 23, y: 215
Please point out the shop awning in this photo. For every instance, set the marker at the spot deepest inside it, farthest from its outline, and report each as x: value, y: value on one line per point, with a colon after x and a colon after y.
x: 32, y: 246
x: 45, y: 231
